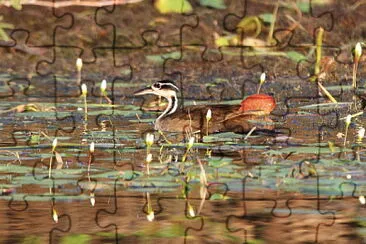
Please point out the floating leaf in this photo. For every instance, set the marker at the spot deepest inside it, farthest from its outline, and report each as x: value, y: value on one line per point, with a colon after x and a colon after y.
x: 295, y: 56
x: 218, y: 162
x: 218, y: 4
x: 218, y: 196
x: 159, y: 58
x: 304, y: 6
x: 266, y: 17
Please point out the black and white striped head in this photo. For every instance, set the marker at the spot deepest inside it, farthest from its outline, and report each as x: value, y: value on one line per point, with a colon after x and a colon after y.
x: 164, y: 88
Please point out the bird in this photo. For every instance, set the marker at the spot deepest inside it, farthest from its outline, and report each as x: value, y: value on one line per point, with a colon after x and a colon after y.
x: 225, y: 118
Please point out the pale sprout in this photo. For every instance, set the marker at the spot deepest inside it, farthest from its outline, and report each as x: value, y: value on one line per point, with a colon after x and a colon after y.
x: 79, y: 64
x: 209, y: 115
x: 149, y: 140
x: 84, y: 89
x: 103, y: 86
x: 54, y: 144
x: 92, y: 147
x: 358, y: 50
x: 362, y: 200
x: 262, y: 78
x: 149, y: 158
x: 151, y: 216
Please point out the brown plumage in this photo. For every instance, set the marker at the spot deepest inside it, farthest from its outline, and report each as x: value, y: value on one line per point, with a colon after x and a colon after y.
x: 193, y: 118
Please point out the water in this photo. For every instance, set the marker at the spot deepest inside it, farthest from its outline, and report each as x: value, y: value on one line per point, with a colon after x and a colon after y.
x: 229, y: 189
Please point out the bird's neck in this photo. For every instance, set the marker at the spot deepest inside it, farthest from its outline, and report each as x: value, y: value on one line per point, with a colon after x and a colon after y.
x: 170, y: 109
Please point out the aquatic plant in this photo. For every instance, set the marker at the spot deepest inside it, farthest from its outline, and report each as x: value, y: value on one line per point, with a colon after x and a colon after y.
x: 54, y: 145
x: 347, y: 123
x: 84, y: 93
x: 356, y: 59
x: 103, y: 91
x: 262, y: 79
x: 208, y: 118
x: 79, y: 66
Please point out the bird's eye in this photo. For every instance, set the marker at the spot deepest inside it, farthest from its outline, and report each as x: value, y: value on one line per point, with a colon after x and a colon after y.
x: 156, y: 85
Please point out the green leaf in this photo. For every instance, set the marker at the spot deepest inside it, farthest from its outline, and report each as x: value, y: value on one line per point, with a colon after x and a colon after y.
x: 218, y: 196
x: 266, y: 17
x: 16, y: 4
x: 3, y: 35
x: 218, y: 4
x: 295, y: 56
x: 173, y: 6
x: 223, y: 41
x: 304, y: 6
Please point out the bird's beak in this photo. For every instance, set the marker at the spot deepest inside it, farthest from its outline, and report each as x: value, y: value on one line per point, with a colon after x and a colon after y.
x: 144, y: 91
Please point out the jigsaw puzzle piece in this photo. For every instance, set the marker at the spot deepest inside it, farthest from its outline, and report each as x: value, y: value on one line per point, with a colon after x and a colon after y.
x: 39, y: 25
x: 169, y: 31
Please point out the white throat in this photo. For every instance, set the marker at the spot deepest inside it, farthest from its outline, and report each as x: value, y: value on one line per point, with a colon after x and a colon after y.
x: 170, y: 109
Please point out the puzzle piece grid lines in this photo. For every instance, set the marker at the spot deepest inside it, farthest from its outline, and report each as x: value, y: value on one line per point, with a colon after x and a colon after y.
x: 276, y: 184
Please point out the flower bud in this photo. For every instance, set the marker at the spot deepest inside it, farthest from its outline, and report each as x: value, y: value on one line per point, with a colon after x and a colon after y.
x: 79, y: 64
x: 348, y: 119
x: 92, y: 199
x: 209, y: 115
x: 92, y: 147
x: 54, y: 215
x: 262, y: 78
x: 358, y: 51
x: 103, y: 86
x: 54, y: 144
x: 84, y: 90
x: 149, y: 140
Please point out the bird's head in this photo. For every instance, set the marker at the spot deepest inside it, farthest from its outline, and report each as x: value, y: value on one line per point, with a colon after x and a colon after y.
x: 164, y: 88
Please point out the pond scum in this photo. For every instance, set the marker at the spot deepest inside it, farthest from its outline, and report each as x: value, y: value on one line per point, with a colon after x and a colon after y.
x: 82, y: 161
